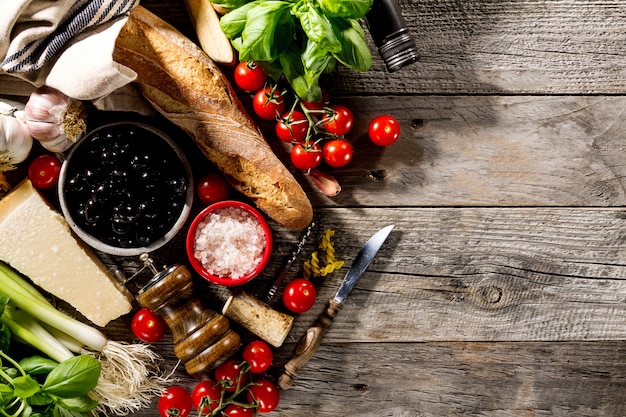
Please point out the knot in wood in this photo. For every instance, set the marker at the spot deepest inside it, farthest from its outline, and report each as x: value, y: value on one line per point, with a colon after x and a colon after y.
x: 489, y: 296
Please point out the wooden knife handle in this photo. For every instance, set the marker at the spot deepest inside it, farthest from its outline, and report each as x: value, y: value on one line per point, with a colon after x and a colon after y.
x: 308, y: 344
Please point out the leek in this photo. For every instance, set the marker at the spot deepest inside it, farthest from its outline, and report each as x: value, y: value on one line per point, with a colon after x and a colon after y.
x: 28, y: 331
x: 129, y: 378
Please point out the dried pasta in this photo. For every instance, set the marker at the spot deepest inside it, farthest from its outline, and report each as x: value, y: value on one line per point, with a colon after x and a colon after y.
x: 312, y: 267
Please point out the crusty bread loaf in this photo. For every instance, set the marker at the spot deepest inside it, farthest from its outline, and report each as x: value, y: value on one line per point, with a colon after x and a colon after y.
x: 184, y: 85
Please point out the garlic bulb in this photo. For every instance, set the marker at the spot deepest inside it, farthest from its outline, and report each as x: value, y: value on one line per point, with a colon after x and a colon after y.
x: 15, y: 142
x: 54, y: 119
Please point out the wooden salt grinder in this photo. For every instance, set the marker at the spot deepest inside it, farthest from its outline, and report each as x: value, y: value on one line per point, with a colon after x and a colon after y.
x: 202, y: 338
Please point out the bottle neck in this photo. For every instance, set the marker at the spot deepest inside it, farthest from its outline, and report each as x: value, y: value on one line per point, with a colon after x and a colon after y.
x: 389, y: 31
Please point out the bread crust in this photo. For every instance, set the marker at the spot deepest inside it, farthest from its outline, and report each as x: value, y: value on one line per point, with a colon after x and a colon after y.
x: 188, y: 88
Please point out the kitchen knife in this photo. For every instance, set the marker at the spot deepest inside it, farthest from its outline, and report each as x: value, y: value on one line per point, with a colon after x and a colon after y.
x: 312, y: 338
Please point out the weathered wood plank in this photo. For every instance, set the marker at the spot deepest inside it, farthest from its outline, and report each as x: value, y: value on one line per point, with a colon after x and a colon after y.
x: 461, y: 379
x: 451, y: 379
x: 488, y: 151
x: 536, y: 274
x: 515, y: 46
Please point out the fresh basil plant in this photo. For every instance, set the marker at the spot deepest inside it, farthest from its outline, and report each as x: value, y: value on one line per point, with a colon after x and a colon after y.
x: 299, y: 39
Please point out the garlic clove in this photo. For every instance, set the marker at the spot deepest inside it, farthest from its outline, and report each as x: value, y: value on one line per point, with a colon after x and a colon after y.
x: 51, y: 114
x: 43, y: 131
x: 59, y: 144
x: 15, y: 142
x: 325, y: 183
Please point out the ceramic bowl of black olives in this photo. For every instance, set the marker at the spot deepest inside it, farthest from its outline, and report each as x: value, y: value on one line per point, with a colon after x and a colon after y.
x: 126, y: 188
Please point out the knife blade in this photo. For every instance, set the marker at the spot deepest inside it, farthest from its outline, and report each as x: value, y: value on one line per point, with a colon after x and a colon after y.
x: 312, y: 338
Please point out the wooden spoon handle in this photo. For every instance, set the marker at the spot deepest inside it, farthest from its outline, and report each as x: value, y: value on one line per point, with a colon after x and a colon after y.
x: 308, y: 344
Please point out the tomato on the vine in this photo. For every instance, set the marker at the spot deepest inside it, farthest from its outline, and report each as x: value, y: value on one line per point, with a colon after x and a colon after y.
x: 306, y: 158
x: 338, y: 120
x: 175, y: 401
x: 44, y: 171
x: 299, y: 295
x: 268, y: 103
x: 249, y: 76
x: 206, y: 396
x: 337, y: 153
x: 230, y: 374
x: 259, y: 356
x: 148, y: 326
x: 318, y: 105
x: 384, y: 130
x: 292, y: 126
x: 236, y: 410
x: 265, y: 395
x: 212, y: 188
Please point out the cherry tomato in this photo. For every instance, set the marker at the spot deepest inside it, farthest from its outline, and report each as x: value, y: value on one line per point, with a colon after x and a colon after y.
x: 249, y: 76
x: 206, y: 396
x: 175, y: 401
x: 235, y: 410
x: 268, y: 103
x: 337, y: 152
x: 265, y: 395
x: 44, y: 170
x: 338, y: 120
x: 384, y: 130
x: 306, y: 158
x: 259, y: 355
x: 230, y: 374
x: 299, y: 295
x: 292, y: 127
x: 148, y: 326
x: 319, y: 105
x: 212, y: 188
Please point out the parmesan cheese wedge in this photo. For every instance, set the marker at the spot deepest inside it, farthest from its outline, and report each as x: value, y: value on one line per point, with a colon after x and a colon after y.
x: 37, y: 241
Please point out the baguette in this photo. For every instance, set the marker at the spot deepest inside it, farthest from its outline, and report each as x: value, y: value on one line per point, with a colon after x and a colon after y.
x: 188, y: 88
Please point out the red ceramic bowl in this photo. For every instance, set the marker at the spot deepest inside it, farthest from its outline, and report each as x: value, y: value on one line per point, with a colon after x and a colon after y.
x: 232, y: 258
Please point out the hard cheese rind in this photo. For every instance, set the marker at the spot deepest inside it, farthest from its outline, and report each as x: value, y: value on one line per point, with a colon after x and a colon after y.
x: 37, y: 241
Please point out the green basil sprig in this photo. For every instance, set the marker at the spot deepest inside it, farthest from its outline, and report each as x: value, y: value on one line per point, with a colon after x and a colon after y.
x: 299, y: 39
x: 38, y: 386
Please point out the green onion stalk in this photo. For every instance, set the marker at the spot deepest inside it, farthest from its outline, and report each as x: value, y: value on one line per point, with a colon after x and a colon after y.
x: 130, y: 376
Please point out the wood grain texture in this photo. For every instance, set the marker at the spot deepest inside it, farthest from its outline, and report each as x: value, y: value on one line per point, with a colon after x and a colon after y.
x: 481, y: 274
x: 488, y: 151
x: 511, y: 47
x: 501, y: 291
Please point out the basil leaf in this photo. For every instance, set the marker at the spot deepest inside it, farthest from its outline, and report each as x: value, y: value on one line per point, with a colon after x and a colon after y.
x: 41, y: 398
x: 38, y: 365
x: 73, y: 377
x: 268, y: 32
x: 230, y: 4
x: 81, y: 403
x: 25, y: 386
x: 354, y: 52
x: 315, y: 59
x: 6, y: 395
x: 291, y: 63
x: 317, y: 26
x: 234, y: 22
x: 353, y: 9
x: 59, y: 411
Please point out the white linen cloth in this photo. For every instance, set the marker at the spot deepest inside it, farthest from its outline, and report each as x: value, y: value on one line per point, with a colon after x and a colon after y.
x: 65, y: 44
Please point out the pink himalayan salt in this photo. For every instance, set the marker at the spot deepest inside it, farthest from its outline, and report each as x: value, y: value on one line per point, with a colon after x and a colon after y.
x: 229, y: 242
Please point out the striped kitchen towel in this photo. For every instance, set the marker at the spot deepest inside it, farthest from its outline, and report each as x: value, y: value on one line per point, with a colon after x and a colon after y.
x: 66, y: 44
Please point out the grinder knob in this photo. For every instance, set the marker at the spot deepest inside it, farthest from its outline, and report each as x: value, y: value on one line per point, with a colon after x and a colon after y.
x: 202, y: 338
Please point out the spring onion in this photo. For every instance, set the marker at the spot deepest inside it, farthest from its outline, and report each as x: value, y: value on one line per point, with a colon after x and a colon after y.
x: 129, y: 377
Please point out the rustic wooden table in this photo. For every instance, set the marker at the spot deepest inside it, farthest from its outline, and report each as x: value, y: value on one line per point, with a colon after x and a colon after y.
x: 501, y: 291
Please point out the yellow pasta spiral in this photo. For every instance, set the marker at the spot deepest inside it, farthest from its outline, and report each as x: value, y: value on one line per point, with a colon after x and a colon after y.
x: 312, y: 266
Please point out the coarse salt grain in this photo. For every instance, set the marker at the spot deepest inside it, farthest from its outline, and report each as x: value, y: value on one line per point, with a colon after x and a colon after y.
x: 229, y: 242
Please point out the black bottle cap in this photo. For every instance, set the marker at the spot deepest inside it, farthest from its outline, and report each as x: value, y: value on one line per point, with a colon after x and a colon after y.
x: 395, y: 44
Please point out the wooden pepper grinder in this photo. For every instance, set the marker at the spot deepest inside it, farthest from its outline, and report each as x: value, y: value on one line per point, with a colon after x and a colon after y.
x: 202, y: 338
